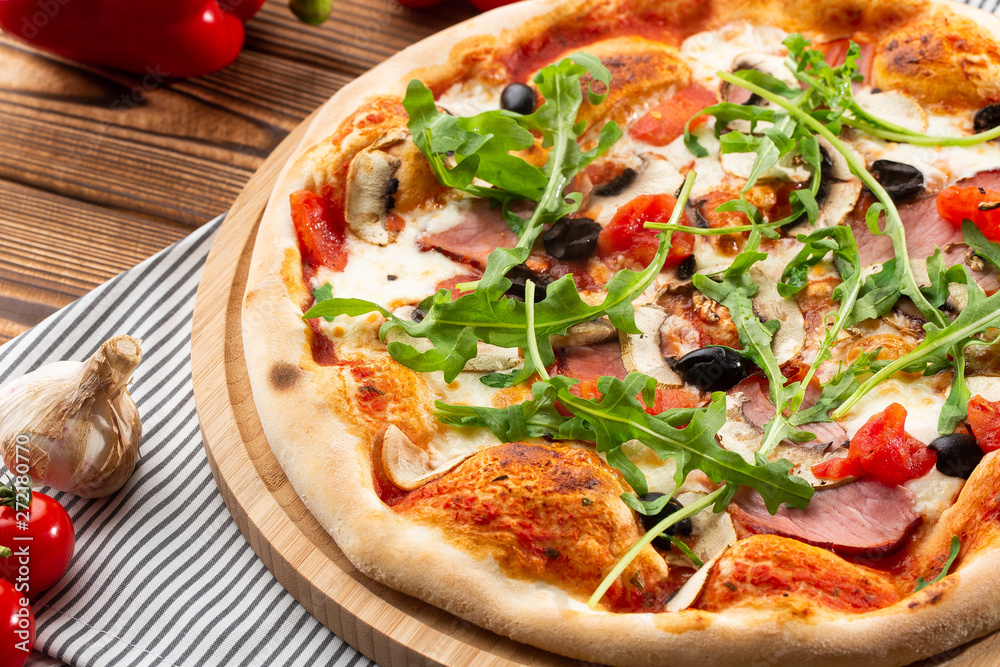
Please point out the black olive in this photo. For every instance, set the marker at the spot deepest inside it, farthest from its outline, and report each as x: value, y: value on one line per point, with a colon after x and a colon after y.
x: 617, y: 185
x: 519, y: 98
x: 686, y: 268
x: 713, y: 368
x: 417, y: 315
x: 699, y: 216
x: 825, y: 176
x: 900, y: 180
x: 958, y: 454
x: 571, y: 238
x: 986, y: 118
x: 521, y: 274
x: 682, y: 527
x: 391, y: 186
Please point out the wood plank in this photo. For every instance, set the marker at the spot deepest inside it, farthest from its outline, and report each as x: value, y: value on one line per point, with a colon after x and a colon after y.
x: 149, y: 158
x: 54, y: 249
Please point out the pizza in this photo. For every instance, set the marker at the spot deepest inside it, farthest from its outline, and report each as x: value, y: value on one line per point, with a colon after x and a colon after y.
x: 655, y: 332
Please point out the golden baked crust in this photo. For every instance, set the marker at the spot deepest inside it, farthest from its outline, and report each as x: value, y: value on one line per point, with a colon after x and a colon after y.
x: 324, y: 415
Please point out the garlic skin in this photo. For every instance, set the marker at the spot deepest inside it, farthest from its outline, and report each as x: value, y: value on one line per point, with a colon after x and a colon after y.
x: 72, y: 425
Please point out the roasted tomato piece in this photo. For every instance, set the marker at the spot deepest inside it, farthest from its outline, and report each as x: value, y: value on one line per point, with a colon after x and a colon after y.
x: 979, y: 205
x: 626, y: 236
x: 984, y: 418
x: 882, y: 449
x: 665, y: 122
x: 320, y: 224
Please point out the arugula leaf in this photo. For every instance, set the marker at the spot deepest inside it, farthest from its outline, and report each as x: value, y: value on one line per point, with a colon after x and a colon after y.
x: 618, y: 417
x: 836, y: 102
x: 735, y: 292
x: 840, y: 242
x: 981, y: 312
x: 940, y: 275
x: 975, y: 239
x: 651, y: 534
x: 956, y: 546
x: 481, y: 145
x: 453, y: 327
x: 835, y: 391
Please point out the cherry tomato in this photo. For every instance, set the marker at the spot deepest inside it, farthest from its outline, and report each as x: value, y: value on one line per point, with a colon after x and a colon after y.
x: 419, y: 4
x: 984, y: 418
x: 956, y: 204
x: 486, y: 5
x: 626, y: 236
x: 321, y: 227
x: 661, y: 125
x: 884, y: 450
x: 17, y: 626
x: 42, y: 547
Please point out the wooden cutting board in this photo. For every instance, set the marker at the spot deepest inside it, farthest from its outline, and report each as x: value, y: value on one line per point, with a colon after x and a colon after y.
x: 393, y: 629
x: 389, y: 627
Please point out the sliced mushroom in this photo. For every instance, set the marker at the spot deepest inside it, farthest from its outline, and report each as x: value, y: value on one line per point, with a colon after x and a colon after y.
x: 804, y: 455
x: 740, y: 165
x: 586, y: 333
x: 491, y: 358
x: 687, y: 594
x: 896, y: 107
x: 488, y: 359
x: 739, y: 434
x: 654, y: 176
x: 370, y: 185
x: 405, y: 464
x: 641, y: 353
x: 987, y: 386
x: 769, y: 305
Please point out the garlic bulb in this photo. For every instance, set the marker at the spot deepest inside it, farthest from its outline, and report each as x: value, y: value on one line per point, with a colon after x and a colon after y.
x: 72, y: 425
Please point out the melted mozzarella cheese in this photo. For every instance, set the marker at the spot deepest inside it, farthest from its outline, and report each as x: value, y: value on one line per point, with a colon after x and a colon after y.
x: 934, y: 493
x: 393, y: 275
x: 922, y: 398
x: 708, y: 52
x: 470, y: 97
x: 940, y: 165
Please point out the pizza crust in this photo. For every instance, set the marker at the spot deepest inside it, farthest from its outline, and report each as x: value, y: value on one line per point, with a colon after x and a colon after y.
x: 327, y: 457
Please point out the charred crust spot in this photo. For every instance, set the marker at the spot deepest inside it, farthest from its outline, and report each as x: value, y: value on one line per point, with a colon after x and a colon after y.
x: 501, y: 478
x: 283, y: 375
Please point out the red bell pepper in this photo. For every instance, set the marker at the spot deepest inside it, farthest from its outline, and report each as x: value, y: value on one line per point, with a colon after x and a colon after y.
x: 162, y: 38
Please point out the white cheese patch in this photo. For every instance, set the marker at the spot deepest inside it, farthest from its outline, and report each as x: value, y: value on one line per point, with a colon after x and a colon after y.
x: 708, y: 52
x: 438, y: 220
x: 940, y: 165
x: 921, y: 397
x: 396, y: 274
x: 933, y: 493
x: 470, y: 97
x: 709, y: 169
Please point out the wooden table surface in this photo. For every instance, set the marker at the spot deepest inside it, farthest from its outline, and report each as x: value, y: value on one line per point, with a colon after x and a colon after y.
x: 100, y: 169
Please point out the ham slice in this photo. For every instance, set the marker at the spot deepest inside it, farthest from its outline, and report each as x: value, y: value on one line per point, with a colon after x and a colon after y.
x: 758, y: 410
x: 925, y: 229
x: 589, y: 362
x: 472, y: 240
x: 861, y: 518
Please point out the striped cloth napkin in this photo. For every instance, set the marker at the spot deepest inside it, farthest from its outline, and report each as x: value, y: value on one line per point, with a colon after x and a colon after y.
x: 162, y: 576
